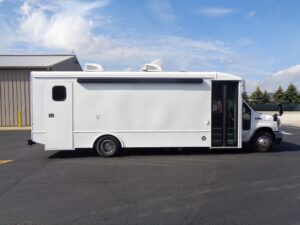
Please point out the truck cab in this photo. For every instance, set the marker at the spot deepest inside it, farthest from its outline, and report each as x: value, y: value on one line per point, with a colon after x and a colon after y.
x: 260, y: 131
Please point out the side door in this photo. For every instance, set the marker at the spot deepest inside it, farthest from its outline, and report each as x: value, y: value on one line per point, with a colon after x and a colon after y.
x: 59, y: 115
x: 225, y: 114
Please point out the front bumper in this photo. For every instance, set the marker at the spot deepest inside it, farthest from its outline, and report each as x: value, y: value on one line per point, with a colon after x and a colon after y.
x: 278, y: 137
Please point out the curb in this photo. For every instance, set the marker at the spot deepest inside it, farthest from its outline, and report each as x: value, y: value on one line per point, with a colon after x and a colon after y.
x: 14, y: 128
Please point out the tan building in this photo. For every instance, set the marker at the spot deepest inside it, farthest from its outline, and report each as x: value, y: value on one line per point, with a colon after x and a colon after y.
x: 15, y: 83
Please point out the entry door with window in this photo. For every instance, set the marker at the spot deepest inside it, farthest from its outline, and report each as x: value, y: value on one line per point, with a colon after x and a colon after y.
x: 224, y: 113
x: 59, y: 115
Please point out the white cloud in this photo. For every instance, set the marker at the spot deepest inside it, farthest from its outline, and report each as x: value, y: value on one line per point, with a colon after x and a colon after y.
x: 63, y: 25
x: 25, y: 8
x: 292, y: 72
x: 216, y: 12
x: 245, y: 41
x: 284, y: 77
x: 55, y: 26
x: 177, y: 53
x: 272, y: 82
x: 162, y: 9
x: 250, y: 15
x: 188, y: 54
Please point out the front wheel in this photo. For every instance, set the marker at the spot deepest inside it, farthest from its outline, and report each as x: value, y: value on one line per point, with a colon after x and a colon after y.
x: 262, y: 141
x: 107, y: 146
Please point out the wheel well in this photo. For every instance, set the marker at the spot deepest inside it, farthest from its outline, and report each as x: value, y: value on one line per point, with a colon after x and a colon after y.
x: 107, y: 135
x: 264, y: 129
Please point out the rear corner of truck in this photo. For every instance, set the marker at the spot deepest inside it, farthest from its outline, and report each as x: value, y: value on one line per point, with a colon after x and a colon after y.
x: 37, y: 107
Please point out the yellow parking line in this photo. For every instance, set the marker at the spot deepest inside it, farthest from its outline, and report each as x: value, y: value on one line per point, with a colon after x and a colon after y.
x: 5, y: 161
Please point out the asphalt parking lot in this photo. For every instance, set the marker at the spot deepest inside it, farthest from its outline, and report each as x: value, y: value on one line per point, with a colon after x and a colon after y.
x: 153, y: 186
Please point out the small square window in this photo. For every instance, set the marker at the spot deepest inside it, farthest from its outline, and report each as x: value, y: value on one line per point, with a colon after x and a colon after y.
x: 59, y: 93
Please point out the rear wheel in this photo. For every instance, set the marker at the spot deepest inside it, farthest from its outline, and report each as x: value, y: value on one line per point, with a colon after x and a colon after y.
x: 107, y: 146
x: 263, y: 141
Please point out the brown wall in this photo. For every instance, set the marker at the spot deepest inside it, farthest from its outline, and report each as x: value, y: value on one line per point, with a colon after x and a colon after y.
x: 14, y: 97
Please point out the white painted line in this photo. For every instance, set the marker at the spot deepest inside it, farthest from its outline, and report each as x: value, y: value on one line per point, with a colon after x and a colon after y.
x: 286, y: 133
x: 5, y: 161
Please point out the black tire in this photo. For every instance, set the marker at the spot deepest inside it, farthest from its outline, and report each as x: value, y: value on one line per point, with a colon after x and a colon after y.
x: 107, y: 146
x: 262, y: 141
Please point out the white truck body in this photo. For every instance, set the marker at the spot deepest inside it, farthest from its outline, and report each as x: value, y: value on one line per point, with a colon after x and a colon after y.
x: 72, y: 110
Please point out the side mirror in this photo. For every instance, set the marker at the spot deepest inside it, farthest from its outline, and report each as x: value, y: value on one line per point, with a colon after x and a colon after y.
x: 280, y: 109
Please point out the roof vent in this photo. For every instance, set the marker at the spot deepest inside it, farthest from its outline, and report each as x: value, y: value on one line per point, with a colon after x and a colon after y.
x: 93, y: 67
x: 155, y: 66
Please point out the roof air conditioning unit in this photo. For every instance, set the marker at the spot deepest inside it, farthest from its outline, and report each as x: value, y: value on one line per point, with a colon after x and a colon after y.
x: 93, y: 67
x: 154, y: 66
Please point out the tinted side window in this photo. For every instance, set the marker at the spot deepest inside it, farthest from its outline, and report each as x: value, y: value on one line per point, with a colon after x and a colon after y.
x: 59, y: 93
x: 246, y: 117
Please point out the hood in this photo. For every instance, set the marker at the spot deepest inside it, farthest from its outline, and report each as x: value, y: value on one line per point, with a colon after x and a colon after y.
x: 264, y: 117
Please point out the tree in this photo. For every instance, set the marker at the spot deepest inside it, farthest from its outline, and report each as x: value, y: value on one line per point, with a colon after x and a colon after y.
x: 265, y: 97
x: 245, y: 97
x: 279, y: 95
x: 298, y: 99
x: 257, y: 96
x: 291, y: 94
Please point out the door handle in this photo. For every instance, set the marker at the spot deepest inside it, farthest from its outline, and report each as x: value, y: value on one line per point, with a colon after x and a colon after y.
x: 51, y: 115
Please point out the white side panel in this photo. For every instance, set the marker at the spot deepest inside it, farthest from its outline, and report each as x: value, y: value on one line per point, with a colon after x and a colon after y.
x: 143, y: 115
x: 147, y: 139
x: 39, y: 137
x: 38, y: 110
x: 38, y: 103
x: 59, y: 118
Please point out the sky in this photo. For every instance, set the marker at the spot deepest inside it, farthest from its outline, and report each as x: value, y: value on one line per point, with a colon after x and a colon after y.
x: 258, y: 40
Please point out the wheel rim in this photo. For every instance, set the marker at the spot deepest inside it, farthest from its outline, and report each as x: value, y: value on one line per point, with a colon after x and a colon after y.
x: 108, y: 146
x: 263, y: 142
